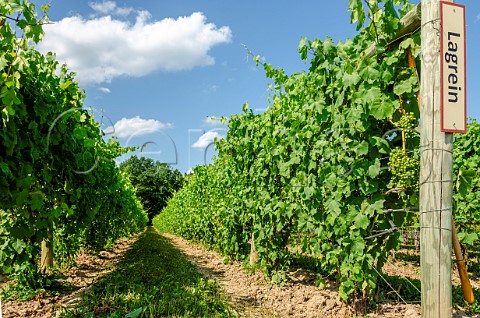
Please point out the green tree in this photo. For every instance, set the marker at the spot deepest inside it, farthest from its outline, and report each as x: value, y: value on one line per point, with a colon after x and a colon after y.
x: 155, y: 182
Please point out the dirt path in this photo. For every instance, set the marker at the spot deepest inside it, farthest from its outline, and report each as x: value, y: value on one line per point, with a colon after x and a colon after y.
x: 300, y: 298
x: 248, y: 292
x: 88, y: 269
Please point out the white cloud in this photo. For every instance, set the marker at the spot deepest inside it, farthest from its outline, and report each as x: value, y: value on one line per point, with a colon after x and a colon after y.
x: 102, y: 48
x: 105, y: 90
x: 206, y: 139
x: 104, y: 7
x: 212, y: 121
x: 109, y: 7
x: 136, y: 126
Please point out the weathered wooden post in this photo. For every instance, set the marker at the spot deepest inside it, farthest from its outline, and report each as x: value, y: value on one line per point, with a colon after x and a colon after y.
x: 46, y: 256
x: 435, y: 176
x: 436, y: 142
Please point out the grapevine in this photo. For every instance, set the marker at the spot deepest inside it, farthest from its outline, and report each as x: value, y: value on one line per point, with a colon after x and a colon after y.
x: 58, y: 179
x: 466, y: 197
x: 319, y: 170
x: 313, y: 171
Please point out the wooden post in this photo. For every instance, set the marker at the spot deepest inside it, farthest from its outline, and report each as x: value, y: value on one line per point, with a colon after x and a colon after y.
x: 435, y: 177
x: 46, y: 260
x: 410, y: 23
x: 46, y: 257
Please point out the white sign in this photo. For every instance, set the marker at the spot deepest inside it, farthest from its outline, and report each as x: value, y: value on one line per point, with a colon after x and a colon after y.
x: 453, y: 114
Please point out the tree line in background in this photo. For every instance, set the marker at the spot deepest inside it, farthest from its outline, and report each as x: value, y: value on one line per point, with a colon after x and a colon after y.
x: 154, y: 182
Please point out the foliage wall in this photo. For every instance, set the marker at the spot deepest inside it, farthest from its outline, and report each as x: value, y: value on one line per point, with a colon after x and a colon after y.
x: 331, y: 166
x: 58, y: 178
x: 321, y: 167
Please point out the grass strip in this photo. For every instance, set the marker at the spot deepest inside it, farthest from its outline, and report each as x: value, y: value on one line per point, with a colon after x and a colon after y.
x: 154, y: 279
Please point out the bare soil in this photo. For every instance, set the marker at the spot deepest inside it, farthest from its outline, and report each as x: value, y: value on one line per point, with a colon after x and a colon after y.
x: 299, y: 298
x: 248, y: 291
x: 88, y: 269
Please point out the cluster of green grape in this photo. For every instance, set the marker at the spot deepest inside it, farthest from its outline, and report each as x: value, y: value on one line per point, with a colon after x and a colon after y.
x: 408, y: 122
x: 404, y: 169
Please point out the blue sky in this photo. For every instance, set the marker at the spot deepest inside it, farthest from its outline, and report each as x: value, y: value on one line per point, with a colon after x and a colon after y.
x: 157, y: 70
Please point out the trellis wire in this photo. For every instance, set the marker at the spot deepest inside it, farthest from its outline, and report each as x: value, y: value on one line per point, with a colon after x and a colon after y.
x: 379, y: 274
